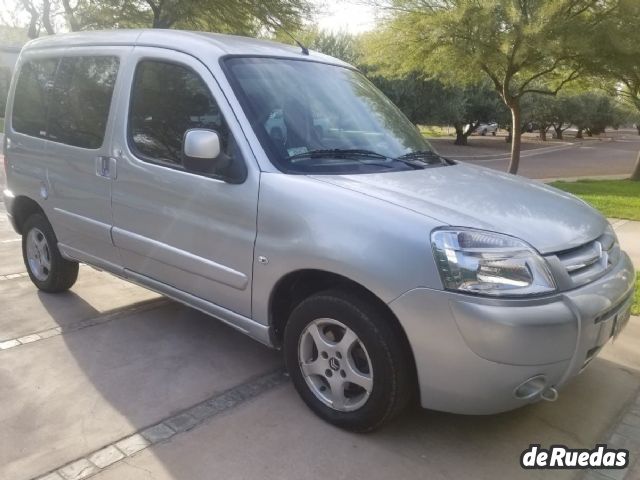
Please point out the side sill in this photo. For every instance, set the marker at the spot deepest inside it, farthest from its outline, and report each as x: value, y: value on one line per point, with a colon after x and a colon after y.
x: 257, y: 331
x: 74, y: 254
x: 247, y: 326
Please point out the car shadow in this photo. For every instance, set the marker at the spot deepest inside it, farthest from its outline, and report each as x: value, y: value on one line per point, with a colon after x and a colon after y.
x: 122, y: 375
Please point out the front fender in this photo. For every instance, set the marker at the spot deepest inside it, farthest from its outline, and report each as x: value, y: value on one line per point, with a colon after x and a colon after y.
x: 307, y: 224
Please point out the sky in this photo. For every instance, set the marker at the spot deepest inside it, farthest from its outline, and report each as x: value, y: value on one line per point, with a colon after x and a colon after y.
x: 351, y: 16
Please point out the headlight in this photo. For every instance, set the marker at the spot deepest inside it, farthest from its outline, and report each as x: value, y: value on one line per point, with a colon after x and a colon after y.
x: 487, y: 263
x: 610, y: 246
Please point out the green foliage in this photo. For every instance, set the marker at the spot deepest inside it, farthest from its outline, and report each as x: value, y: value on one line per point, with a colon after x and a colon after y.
x: 594, y: 112
x: 418, y: 99
x: 616, y: 48
x: 519, y: 45
x: 340, y: 45
x: 615, y: 51
x: 614, y: 198
x: 249, y: 17
x: 522, y: 47
x: 429, y: 101
x: 589, y: 111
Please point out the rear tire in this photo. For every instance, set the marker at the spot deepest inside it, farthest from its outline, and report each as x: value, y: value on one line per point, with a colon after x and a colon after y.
x: 334, y: 337
x: 46, y: 267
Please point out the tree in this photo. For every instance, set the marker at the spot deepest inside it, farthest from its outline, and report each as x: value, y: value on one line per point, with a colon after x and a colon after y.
x: 539, y: 110
x: 616, y: 50
x: 590, y: 111
x: 413, y: 95
x: 467, y: 107
x: 40, y: 16
x: 522, y: 47
x: 342, y: 45
x: 248, y: 17
x: 563, y: 113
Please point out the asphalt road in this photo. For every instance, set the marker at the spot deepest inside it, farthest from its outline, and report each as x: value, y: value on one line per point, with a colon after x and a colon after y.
x: 613, y: 155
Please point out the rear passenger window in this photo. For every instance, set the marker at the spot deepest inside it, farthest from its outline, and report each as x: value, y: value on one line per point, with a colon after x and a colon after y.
x: 167, y: 100
x: 81, y: 100
x: 31, y: 100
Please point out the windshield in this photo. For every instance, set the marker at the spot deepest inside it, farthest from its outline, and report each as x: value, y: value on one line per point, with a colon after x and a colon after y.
x: 317, y: 118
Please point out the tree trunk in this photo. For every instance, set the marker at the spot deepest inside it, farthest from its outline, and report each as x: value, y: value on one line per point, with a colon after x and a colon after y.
x: 638, y: 128
x: 69, y: 15
x: 461, y: 138
x: 543, y: 134
x: 32, y: 31
x: 514, y: 163
x: 46, y: 17
x: 579, y: 134
x: 635, y: 176
x: 558, y: 132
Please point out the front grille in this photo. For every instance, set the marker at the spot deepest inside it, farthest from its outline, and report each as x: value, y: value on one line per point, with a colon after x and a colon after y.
x: 587, y: 262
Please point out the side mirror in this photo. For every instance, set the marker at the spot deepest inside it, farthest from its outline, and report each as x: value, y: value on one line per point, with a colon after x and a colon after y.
x: 200, y: 150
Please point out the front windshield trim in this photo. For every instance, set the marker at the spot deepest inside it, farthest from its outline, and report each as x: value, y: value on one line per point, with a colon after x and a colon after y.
x: 260, y: 133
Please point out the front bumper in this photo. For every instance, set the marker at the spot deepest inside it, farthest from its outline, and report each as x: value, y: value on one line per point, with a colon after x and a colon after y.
x: 471, y: 352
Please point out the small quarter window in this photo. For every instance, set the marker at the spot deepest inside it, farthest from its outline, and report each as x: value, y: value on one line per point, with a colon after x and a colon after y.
x: 167, y: 100
x: 32, y: 95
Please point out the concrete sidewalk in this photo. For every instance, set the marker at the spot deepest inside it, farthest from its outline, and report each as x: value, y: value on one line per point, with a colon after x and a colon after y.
x: 628, y: 232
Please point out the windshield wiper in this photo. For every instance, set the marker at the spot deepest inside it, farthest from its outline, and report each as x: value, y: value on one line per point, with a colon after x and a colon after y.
x: 338, y: 153
x: 423, y: 157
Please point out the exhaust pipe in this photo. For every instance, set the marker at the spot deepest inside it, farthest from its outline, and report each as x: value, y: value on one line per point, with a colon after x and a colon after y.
x: 535, y: 388
x: 550, y: 394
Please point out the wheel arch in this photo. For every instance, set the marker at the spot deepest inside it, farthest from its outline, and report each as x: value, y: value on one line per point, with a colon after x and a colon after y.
x: 22, y: 208
x: 295, y: 286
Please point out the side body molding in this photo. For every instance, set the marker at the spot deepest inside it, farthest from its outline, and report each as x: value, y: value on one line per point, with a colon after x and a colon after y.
x: 178, y: 258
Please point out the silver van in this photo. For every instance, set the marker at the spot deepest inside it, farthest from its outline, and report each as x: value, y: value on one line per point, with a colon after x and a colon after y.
x: 279, y: 191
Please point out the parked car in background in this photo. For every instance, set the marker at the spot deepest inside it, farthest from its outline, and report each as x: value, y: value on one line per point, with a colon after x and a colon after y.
x: 487, y: 128
x: 279, y: 191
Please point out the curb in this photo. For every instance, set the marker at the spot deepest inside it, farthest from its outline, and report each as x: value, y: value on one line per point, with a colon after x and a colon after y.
x: 624, y: 433
x: 587, y: 177
x: 123, y: 448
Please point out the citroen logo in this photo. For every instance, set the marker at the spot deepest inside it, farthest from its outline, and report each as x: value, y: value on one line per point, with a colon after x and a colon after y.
x: 334, y: 364
x: 603, y: 256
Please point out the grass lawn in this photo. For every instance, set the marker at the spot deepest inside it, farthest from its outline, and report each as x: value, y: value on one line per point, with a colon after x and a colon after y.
x: 614, y: 198
x: 435, y: 131
x: 1, y: 125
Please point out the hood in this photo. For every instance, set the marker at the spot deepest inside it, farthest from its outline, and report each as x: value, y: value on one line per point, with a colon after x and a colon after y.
x: 465, y: 195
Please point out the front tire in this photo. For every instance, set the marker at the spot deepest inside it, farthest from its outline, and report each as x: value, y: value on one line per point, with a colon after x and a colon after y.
x: 348, y: 360
x: 46, y: 267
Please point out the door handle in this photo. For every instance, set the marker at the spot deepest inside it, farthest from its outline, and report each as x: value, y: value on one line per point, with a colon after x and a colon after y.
x: 106, y: 167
